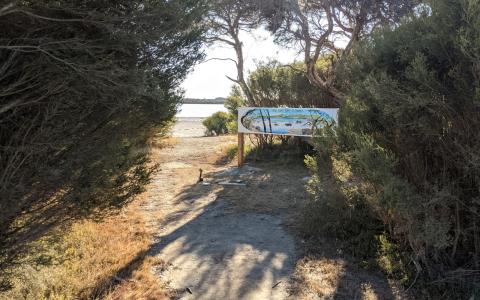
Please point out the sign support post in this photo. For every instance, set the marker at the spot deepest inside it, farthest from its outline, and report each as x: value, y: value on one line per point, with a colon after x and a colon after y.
x: 241, y: 144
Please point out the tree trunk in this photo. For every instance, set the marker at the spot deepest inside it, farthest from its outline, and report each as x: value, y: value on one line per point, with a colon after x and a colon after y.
x: 335, y: 97
x: 240, y: 69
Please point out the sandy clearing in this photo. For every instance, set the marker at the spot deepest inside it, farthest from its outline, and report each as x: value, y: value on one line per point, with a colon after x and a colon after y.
x: 188, y: 127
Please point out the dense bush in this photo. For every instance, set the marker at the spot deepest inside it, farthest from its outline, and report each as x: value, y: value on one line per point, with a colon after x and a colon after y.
x: 408, y: 143
x: 216, y: 124
x: 232, y: 103
x: 83, y: 84
x: 276, y: 85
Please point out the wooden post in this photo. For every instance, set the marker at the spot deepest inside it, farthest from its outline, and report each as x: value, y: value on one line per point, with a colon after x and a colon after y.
x: 241, y: 143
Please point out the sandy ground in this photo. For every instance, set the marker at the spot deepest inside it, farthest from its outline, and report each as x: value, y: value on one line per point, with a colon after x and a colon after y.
x: 240, y: 242
x: 188, y: 127
x: 212, y: 250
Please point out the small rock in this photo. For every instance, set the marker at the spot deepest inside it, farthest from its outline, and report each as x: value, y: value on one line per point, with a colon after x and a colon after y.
x: 189, y: 290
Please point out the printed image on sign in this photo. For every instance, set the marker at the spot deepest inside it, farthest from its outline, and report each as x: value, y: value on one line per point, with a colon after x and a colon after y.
x: 285, y: 121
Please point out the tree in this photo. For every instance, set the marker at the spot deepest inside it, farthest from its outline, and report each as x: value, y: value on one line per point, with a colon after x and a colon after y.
x: 276, y: 85
x: 329, y: 28
x: 225, y: 21
x: 82, y: 85
x: 409, y: 138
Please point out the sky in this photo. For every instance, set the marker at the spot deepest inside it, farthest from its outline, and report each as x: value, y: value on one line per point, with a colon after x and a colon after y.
x: 208, y: 80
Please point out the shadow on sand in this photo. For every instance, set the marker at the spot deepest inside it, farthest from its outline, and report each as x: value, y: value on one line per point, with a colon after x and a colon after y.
x: 214, y: 252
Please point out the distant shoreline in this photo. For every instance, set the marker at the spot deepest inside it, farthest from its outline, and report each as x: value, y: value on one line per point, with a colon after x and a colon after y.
x: 190, y: 119
x: 204, y: 101
x: 195, y: 110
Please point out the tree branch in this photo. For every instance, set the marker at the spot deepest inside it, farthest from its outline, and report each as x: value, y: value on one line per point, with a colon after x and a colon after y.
x: 223, y: 59
x: 234, y: 80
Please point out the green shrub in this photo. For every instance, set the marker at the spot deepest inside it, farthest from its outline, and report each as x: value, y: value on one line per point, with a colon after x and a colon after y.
x: 221, y: 122
x: 234, y: 101
x: 274, y: 85
x: 216, y: 124
x: 408, y: 134
x: 232, y: 126
x: 338, y: 208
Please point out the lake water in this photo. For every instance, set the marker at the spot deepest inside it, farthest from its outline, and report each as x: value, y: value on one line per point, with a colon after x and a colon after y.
x: 199, y: 110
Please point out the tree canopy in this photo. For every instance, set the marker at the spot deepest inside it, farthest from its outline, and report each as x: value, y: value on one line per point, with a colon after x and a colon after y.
x: 320, y: 28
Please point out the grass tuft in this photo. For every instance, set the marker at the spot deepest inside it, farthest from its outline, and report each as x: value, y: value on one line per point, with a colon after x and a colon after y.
x: 91, y: 260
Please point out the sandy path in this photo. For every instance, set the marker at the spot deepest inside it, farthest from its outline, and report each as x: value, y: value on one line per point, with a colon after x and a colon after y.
x: 212, y: 251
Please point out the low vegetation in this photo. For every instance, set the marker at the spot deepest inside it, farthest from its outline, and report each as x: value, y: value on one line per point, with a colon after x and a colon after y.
x: 216, y: 124
x: 84, y: 85
x: 399, y: 175
x: 91, y: 260
x: 225, y: 122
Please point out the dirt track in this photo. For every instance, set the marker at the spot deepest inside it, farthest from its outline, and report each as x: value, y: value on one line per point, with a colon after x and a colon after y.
x: 212, y: 250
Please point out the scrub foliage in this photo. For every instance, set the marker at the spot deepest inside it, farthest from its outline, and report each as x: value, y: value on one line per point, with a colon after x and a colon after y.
x: 406, y: 152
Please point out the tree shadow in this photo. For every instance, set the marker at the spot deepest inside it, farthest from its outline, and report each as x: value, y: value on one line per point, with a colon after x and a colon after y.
x: 220, y: 252
x: 225, y: 256
x: 336, y: 275
x: 217, y: 253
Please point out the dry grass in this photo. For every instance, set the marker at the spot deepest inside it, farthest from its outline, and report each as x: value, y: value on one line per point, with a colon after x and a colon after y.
x: 90, y: 260
x: 163, y: 142
x: 143, y: 285
x: 318, y: 277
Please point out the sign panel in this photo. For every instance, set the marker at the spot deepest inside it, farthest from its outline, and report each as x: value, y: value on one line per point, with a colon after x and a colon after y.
x: 285, y: 121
